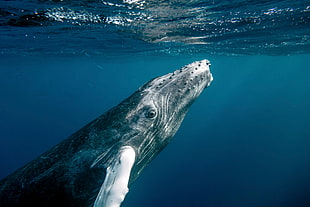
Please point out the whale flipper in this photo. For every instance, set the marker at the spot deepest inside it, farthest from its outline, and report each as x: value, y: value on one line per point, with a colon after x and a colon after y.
x: 115, y: 185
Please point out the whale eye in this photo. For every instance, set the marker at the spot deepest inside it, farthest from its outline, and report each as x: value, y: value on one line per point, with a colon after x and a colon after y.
x: 151, y: 113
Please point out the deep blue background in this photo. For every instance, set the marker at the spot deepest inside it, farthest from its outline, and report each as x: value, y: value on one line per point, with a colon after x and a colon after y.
x: 245, y: 141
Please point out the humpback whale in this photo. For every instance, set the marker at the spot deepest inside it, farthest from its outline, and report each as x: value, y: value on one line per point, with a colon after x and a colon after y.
x: 95, y: 166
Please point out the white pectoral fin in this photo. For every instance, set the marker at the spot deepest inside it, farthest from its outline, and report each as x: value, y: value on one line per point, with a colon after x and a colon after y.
x: 115, y: 185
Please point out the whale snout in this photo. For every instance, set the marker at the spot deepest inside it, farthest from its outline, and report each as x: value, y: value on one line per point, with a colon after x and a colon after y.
x: 199, y: 74
x: 190, y: 79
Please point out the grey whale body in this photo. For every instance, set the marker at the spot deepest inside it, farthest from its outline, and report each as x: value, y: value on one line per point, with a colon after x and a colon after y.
x: 94, y: 166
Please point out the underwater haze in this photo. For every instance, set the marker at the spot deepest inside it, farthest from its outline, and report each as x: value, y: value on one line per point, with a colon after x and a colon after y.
x: 245, y: 141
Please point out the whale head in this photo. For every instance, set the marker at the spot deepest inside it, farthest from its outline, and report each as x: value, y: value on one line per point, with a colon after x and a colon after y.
x: 150, y: 117
x: 155, y: 111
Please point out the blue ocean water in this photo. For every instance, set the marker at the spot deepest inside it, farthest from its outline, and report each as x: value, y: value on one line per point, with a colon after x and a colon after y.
x: 245, y: 141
